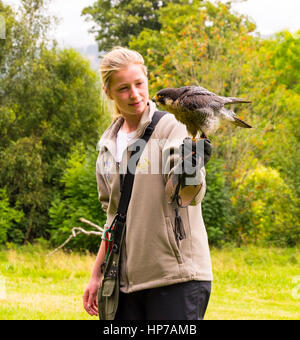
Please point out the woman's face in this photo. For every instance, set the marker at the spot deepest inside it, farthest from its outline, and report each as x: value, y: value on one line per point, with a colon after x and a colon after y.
x: 129, y: 90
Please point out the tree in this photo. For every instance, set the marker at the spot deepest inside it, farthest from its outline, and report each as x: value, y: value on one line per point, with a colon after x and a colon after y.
x: 116, y: 22
x: 49, y: 100
x: 286, y: 59
x: 22, y: 171
x: 268, y: 211
x: 26, y: 35
x: 282, y: 51
x: 8, y: 216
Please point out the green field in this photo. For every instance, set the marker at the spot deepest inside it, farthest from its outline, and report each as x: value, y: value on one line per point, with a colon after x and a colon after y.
x: 249, y: 283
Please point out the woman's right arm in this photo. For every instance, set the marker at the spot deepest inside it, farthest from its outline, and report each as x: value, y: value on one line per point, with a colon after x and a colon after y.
x: 90, y: 294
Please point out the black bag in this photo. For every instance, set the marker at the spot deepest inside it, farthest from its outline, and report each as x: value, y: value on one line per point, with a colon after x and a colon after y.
x: 108, y: 293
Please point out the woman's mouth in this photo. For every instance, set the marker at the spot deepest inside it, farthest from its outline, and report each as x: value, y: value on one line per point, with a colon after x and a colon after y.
x: 135, y: 104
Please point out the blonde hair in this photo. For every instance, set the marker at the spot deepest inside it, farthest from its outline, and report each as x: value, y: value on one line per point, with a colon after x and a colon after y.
x: 115, y: 60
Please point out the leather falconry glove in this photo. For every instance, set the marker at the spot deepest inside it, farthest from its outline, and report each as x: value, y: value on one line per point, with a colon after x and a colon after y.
x: 194, y: 155
x: 186, y: 181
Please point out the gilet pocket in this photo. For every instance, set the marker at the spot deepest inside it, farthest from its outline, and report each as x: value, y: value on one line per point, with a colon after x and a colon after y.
x: 172, y: 240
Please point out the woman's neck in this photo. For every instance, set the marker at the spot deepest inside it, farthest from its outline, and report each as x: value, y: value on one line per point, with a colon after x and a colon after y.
x: 130, y: 123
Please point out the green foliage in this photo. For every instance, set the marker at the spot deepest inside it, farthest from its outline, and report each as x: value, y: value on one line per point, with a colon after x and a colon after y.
x: 79, y: 199
x: 266, y: 208
x: 22, y: 171
x: 57, y: 101
x: 204, y: 44
x: 216, y: 206
x: 286, y: 59
x: 49, y: 100
x: 119, y: 21
x: 8, y: 216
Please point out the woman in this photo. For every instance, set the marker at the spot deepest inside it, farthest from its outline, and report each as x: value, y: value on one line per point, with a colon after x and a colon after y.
x: 162, y: 276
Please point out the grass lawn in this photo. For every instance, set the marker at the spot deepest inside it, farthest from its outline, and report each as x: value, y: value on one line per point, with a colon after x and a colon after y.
x: 249, y: 283
x: 255, y: 284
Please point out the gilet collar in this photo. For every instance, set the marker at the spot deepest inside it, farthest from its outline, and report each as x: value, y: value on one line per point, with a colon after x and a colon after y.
x: 109, y: 137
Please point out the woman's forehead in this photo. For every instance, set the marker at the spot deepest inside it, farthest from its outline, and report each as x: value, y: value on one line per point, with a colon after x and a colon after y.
x: 129, y: 74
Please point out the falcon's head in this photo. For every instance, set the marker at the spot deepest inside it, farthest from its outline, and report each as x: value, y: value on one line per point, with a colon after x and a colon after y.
x: 167, y: 97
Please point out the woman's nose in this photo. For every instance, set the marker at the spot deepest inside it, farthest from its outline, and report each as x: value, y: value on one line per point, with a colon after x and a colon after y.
x: 133, y: 92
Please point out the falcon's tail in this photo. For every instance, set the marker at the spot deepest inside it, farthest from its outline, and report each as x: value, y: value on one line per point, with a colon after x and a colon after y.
x: 238, y: 122
x: 233, y: 100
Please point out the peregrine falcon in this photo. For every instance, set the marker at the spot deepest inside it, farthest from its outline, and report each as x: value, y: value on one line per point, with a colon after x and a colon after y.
x: 199, y: 109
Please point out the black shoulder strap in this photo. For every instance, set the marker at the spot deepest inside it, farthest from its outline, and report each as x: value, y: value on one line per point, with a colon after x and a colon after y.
x: 127, y: 184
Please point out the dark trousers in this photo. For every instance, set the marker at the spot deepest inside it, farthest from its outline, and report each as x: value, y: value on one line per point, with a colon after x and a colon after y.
x: 182, y: 301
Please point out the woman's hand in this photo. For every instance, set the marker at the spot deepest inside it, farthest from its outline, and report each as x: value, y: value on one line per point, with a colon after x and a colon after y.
x: 186, y: 180
x: 90, y: 297
x: 194, y: 154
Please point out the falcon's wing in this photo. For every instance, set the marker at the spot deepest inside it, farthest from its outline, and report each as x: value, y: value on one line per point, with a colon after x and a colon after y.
x: 198, y: 99
x: 197, y: 90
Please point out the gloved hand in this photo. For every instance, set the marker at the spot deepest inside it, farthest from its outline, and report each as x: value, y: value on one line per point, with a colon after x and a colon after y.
x: 194, y: 155
x: 185, y: 182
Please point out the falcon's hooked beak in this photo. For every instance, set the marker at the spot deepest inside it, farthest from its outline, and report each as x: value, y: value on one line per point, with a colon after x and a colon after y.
x: 154, y: 99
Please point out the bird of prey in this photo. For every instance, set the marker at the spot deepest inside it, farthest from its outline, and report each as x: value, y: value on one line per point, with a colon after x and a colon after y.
x: 199, y: 109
